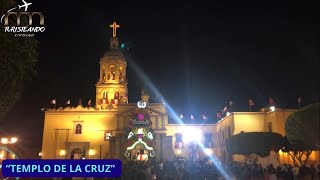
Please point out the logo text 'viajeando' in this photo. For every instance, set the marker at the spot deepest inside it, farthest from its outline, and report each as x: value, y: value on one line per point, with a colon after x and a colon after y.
x: 17, y: 28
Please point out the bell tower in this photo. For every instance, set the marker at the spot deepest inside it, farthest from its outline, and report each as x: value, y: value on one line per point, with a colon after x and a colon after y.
x: 111, y: 88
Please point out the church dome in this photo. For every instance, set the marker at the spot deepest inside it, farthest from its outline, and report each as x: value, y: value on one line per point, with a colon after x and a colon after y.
x: 113, y: 54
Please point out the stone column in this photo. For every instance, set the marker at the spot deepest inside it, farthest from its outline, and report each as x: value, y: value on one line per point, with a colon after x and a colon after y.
x: 157, y: 122
x: 118, y: 123
x: 167, y: 151
x: 117, y: 146
x: 162, y: 123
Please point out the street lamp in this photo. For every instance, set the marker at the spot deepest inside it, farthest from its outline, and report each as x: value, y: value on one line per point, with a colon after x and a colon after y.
x: 91, y: 153
x: 7, y: 141
x: 62, y: 152
x: 178, y: 151
x: 272, y: 108
x: 208, y: 151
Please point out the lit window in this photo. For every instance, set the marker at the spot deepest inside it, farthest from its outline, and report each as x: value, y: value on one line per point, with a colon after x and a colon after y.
x: 179, y: 143
x: 78, y: 129
x: 112, y: 68
x: 105, y: 95
x: 116, y: 95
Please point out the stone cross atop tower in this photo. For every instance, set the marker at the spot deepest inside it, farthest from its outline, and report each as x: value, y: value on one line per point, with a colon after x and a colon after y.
x: 114, y: 27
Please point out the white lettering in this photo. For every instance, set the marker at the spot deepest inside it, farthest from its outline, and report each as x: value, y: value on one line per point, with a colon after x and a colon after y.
x: 46, y: 168
x: 25, y: 29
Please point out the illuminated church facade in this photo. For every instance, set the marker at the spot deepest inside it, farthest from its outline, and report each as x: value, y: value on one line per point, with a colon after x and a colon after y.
x: 116, y: 129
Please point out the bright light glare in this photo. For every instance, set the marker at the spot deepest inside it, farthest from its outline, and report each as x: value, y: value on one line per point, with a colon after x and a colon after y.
x: 190, y: 134
x: 228, y: 113
x: 13, y: 140
x: 170, y: 110
x: 91, y: 152
x: 272, y: 108
x: 208, y: 151
x: 4, y: 140
x: 178, y: 151
x: 62, y: 152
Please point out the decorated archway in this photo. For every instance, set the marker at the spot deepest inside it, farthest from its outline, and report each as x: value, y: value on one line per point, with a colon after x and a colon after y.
x: 140, y: 136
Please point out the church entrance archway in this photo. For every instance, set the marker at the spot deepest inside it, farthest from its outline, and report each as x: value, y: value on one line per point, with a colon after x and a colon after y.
x: 140, y: 153
x: 76, y: 154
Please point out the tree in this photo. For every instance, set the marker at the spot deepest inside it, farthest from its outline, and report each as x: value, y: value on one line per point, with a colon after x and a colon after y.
x: 302, y: 133
x: 18, y: 58
x: 259, y: 143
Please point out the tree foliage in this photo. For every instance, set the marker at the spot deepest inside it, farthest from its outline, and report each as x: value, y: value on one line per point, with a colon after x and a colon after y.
x: 18, y: 57
x: 302, y: 128
x: 259, y: 143
x: 302, y: 133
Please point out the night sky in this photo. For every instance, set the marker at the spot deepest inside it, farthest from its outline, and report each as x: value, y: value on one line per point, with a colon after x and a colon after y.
x: 199, y: 56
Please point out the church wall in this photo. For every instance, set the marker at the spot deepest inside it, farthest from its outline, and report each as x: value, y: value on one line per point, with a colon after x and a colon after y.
x: 233, y: 124
x: 93, y: 124
x: 314, y: 157
x: 159, y: 117
x: 278, y: 119
x: 249, y: 122
x: 225, y: 129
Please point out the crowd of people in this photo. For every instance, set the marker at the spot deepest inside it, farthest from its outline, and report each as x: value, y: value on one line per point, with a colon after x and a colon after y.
x: 253, y: 171
x: 213, y: 170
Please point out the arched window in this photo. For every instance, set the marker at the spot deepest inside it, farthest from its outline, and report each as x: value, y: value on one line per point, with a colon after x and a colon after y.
x: 116, y: 95
x: 179, y: 143
x: 111, y: 72
x: 121, y: 78
x: 104, y: 77
x: 269, y: 126
x: 78, y: 129
x: 105, y: 95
